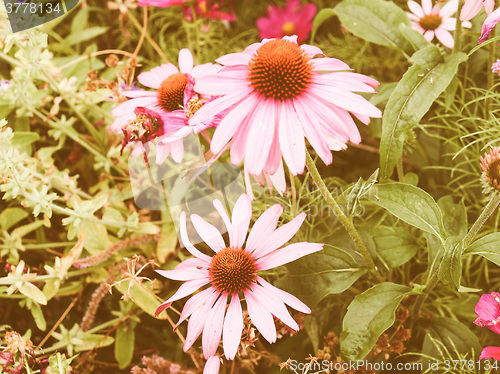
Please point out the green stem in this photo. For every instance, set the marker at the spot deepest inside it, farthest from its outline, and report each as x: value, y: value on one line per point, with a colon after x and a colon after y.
x: 458, y: 29
x: 346, y: 222
x: 429, y: 286
x: 485, y: 214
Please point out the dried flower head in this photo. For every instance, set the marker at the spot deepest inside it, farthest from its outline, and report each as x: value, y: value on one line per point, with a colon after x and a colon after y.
x: 146, y: 126
x: 490, y: 165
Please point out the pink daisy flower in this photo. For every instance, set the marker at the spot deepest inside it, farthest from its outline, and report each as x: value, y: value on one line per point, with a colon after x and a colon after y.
x: 174, y: 100
x: 290, y: 20
x: 472, y: 7
x: 273, y: 94
x: 233, y: 271
x: 495, y: 68
x: 488, y: 25
x: 434, y: 21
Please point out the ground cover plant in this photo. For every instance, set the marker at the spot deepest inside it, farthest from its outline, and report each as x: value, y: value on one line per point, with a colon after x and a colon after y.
x: 249, y: 186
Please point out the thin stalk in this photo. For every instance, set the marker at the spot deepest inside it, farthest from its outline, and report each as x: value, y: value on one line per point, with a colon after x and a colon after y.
x: 294, y: 194
x: 458, y: 29
x: 346, y: 222
x: 485, y: 214
x: 156, y: 47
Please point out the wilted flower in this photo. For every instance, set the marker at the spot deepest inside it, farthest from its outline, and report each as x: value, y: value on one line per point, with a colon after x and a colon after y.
x: 293, y: 19
x: 435, y: 21
x: 274, y: 94
x: 174, y: 101
x: 146, y: 126
x: 233, y: 271
x: 490, y: 165
x: 472, y: 7
x: 488, y: 25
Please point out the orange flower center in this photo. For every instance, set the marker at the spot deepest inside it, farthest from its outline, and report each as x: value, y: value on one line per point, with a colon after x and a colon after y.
x: 288, y: 28
x: 430, y: 21
x: 232, y: 270
x: 171, y: 92
x: 280, y: 70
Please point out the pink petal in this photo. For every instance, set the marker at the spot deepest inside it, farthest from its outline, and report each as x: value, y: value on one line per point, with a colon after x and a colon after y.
x: 288, y: 254
x: 162, y: 152
x: 279, y: 236
x: 232, y: 59
x: 222, y: 212
x: 275, y: 306
x: 129, y: 106
x: 488, y: 25
x: 260, y: 138
x: 185, y: 240
x: 192, y: 264
x: 427, y: 6
x: 183, y: 291
x: 183, y: 274
x: 429, y: 35
x: 219, y: 85
x: 197, y: 322
x: 291, y: 138
x: 488, y: 6
x: 212, y: 330
x: 260, y: 316
x: 233, y: 326
x: 157, y: 75
x: 185, y: 61
x: 196, y: 302
x: 415, y: 8
x: 311, y: 50
x: 278, y: 179
x: 490, y: 352
x: 287, y: 298
x: 231, y: 122
x: 470, y: 9
x: 208, y: 233
x: 445, y: 37
x: 263, y: 227
x: 139, y: 93
x: 329, y: 64
x: 212, y: 366
x: 177, y: 150
x: 449, y: 8
x: 242, y: 213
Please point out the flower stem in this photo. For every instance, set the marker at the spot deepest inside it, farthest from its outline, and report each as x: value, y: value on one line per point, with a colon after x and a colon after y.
x: 346, y: 222
x: 485, y: 214
x: 458, y: 29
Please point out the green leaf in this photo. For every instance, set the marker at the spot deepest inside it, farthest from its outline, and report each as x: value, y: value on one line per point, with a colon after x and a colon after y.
x: 311, y: 326
x: 376, y: 21
x: 395, y: 245
x: 37, y: 314
x: 167, y: 242
x: 79, y: 37
x: 10, y: 216
x: 446, y: 334
x: 415, y: 38
x: 124, y: 344
x: 317, y: 275
x: 451, y: 265
x: 368, y: 316
x: 30, y: 290
x: 141, y: 296
x: 412, y: 205
x: 416, y: 91
x: 321, y: 17
x: 97, y: 238
x: 488, y: 247
x: 454, y: 216
x: 23, y: 139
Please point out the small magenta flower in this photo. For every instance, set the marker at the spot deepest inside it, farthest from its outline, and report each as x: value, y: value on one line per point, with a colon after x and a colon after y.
x: 293, y: 19
x: 495, y: 68
x: 146, y: 126
x: 488, y: 25
x: 490, y: 165
x: 488, y: 315
x: 232, y: 272
x: 472, y: 7
x: 434, y: 21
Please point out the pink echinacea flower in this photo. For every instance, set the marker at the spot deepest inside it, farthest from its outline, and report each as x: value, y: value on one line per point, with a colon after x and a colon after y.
x: 472, y: 7
x: 291, y: 20
x: 274, y: 94
x: 174, y: 100
x: 488, y: 315
x: 232, y: 271
x: 488, y: 25
x: 434, y: 21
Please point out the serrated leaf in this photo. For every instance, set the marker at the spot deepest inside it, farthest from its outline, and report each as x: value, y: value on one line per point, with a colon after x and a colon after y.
x: 368, y: 316
x: 487, y: 247
x: 412, y: 205
x: 416, y: 91
x: 317, y: 275
x: 376, y: 21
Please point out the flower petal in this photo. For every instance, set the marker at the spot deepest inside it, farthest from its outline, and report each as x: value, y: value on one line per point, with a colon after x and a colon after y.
x: 263, y: 227
x: 287, y: 298
x: 208, y: 233
x: 260, y: 316
x: 212, y: 330
x: 288, y: 254
x: 242, y: 213
x: 212, y: 365
x: 185, y: 61
x: 233, y: 326
x: 185, y: 240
